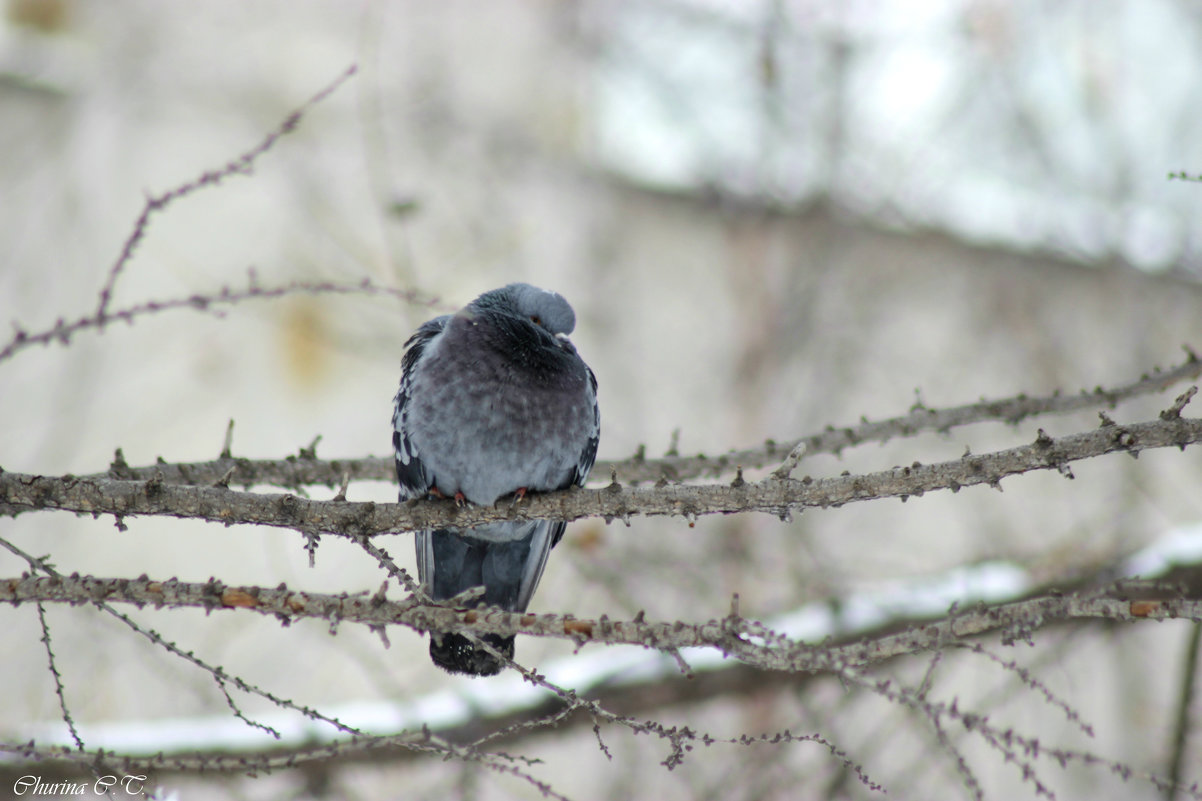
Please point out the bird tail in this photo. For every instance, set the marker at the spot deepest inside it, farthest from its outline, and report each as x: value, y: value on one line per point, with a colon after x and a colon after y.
x: 455, y: 653
x: 506, y: 558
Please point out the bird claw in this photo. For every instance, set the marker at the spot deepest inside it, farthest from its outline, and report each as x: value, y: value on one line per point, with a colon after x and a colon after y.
x: 460, y: 498
x: 519, y: 495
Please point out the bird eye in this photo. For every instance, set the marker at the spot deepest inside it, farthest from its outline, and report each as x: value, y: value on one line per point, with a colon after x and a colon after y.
x: 534, y: 318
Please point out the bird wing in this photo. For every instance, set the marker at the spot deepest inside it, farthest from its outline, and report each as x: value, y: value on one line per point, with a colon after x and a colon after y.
x: 584, y: 463
x: 547, y: 534
x: 550, y: 533
x: 410, y: 471
x: 589, y: 454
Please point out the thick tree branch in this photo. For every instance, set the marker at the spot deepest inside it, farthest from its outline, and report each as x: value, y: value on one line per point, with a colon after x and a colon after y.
x: 1019, y: 620
x: 746, y: 640
x: 58, y: 758
x: 304, y: 469
x: 20, y: 492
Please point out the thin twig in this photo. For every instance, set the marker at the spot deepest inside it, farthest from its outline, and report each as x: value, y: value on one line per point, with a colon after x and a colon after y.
x: 420, y: 742
x: 219, y: 675
x: 1033, y: 683
x: 58, y: 679
x: 62, y: 331
x: 241, y: 165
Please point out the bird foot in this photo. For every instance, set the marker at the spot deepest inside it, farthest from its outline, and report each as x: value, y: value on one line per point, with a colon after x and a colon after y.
x: 519, y: 495
x: 460, y: 498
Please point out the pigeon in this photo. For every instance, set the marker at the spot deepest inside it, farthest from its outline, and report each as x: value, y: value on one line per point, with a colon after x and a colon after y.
x: 494, y: 401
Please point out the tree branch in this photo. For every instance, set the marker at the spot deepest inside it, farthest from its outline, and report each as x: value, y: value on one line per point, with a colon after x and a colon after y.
x: 62, y: 331
x: 243, y: 164
x: 746, y: 640
x: 205, y: 763
x: 1155, y: 601
x: 1181, y: 731
x: 20, y: 492
x: 305, y: 470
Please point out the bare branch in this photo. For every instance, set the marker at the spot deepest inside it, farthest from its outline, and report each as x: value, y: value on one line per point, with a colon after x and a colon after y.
x: 242, y: 165
x: 747, y: 640
x: 62, y: 331
x: 1032, y: 682
x: 205, y: 763
x: 218, y: 673
x: 302, y: 470
x: 20, y: 492
x: 1014, y: 747
x: 424, y: 742
x: 58, y: 679
x: 676, y: 737
x: 845, y: 661
x: 1181, y: 731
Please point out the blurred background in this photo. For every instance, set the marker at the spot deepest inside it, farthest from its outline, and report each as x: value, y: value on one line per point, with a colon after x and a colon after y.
x: 769, y: 216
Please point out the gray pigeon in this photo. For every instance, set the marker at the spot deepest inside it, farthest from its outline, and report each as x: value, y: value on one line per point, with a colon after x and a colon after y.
x: 494, y: 401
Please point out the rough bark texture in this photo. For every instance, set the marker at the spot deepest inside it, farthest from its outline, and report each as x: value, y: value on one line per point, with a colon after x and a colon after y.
x: 100, y: 495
